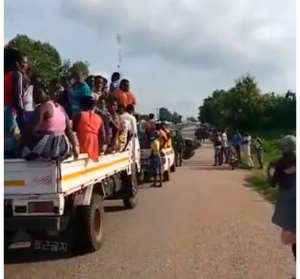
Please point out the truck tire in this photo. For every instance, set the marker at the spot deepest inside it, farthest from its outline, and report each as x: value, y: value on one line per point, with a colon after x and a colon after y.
x: 166, y: 176
x: 130, y: 202
x: 141, y: 177
x: 92, y: 224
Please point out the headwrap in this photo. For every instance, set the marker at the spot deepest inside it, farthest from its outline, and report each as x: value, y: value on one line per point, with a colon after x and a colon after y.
x: 288, y: 144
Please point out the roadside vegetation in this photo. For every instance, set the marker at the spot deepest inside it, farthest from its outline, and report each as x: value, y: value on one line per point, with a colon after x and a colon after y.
x: 257, y: 179
x: 245, y: 108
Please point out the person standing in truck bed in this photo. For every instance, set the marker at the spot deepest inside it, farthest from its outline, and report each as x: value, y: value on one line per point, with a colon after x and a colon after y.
x: 123, y: 95
x: 89, y: 128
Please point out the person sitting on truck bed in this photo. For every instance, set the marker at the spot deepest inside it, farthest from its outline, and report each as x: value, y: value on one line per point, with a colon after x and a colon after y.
x: 49, y: 135
x: 89, y: 128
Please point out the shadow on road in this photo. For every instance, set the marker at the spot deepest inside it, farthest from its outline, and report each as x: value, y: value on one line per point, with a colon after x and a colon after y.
x: 28, y: 255
x: 114, y: 208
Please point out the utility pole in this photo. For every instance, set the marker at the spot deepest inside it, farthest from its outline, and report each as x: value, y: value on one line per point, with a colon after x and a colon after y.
x: 119, y: 49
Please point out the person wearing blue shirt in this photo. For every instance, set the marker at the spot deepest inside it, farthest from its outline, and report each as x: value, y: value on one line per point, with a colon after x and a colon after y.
x: 80, y: 90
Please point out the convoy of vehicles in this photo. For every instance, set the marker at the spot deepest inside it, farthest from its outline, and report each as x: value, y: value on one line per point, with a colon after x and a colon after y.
x: 58, y: 204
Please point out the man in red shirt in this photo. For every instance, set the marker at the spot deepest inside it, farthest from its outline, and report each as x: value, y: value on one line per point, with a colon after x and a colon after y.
x: 123, y: 95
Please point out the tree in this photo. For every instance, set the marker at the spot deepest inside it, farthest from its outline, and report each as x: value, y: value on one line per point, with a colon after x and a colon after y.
x: 166, y: 115
x: 243, y: 107
x: 44, y: 59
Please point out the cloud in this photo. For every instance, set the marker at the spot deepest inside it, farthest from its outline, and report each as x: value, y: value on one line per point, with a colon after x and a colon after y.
x: 175, y: 52
x: 248, y: 35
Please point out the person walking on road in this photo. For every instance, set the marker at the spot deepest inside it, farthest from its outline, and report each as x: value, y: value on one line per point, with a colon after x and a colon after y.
x: 236, y: 143
x: 178, y: 148
x: 224, y: 146
x: 218, y: 149
x: 285, y: 177
x: 259, y: 151
x: 246, y: 151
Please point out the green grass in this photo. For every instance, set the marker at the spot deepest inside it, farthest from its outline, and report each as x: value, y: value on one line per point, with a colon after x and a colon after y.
x: 257, y: 179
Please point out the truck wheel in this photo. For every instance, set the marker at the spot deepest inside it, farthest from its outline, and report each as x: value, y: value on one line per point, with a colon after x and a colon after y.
x: 131, y: 201
x: 166, y: 176
x: 173, y: 168
x: 93, y: 224
x: 141, y: 177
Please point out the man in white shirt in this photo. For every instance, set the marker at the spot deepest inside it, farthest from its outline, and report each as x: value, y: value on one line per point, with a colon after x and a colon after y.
x: 224, y: 145
x: 131, y: 123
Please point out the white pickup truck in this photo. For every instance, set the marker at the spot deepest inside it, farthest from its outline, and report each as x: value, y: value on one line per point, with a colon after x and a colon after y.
x: 64, y: 200
x: 168, y: 163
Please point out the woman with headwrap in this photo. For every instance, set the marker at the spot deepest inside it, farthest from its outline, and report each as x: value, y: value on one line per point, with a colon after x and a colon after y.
x: 284, y: 176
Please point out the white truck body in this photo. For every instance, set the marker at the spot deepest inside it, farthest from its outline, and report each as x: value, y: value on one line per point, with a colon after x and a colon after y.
x: 27, y: 182
x: 39, y: 194
x: 168, y: 159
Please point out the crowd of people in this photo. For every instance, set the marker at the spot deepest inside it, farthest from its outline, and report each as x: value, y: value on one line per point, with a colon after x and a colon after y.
x: 77, y: 114
x: 281, y: 174
x: 239, y: 149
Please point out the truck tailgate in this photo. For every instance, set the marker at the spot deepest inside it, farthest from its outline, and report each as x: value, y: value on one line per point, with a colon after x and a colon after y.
x: 35, y: 177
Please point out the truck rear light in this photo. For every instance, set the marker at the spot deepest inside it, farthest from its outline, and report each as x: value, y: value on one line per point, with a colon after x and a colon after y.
x: 41, y: 207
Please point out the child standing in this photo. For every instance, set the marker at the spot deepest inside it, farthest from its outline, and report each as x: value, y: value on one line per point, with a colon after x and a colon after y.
x: 155, y: 160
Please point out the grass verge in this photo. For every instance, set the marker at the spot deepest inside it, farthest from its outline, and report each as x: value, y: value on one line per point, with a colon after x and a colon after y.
x: 257, y: 179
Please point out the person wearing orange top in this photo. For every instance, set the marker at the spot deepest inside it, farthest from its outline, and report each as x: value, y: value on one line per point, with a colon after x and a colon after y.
x: 123, y: 95
x: 163, y: 138
x: 90, y: 129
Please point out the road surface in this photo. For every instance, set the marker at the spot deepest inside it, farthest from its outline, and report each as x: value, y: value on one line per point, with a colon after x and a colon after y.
x: 204, y: 224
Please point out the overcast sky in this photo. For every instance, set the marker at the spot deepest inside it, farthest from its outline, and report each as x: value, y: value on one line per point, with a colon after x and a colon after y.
x: 175, y: 52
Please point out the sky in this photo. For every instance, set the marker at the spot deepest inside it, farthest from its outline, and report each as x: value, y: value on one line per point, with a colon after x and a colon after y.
x: 175, y: 52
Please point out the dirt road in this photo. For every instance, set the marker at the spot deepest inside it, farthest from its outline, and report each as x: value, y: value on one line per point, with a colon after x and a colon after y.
x: 203, y: 224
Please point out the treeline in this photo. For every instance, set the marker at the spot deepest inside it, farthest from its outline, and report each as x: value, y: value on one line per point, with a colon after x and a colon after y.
x: 45, y: 61
x: 166, y: 115
x: 245, y: 108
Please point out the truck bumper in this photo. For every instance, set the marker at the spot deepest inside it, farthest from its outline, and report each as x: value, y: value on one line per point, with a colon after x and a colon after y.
x: 34, y: 223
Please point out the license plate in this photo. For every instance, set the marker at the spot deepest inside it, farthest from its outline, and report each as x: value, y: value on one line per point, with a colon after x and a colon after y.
x: 51, y: 246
